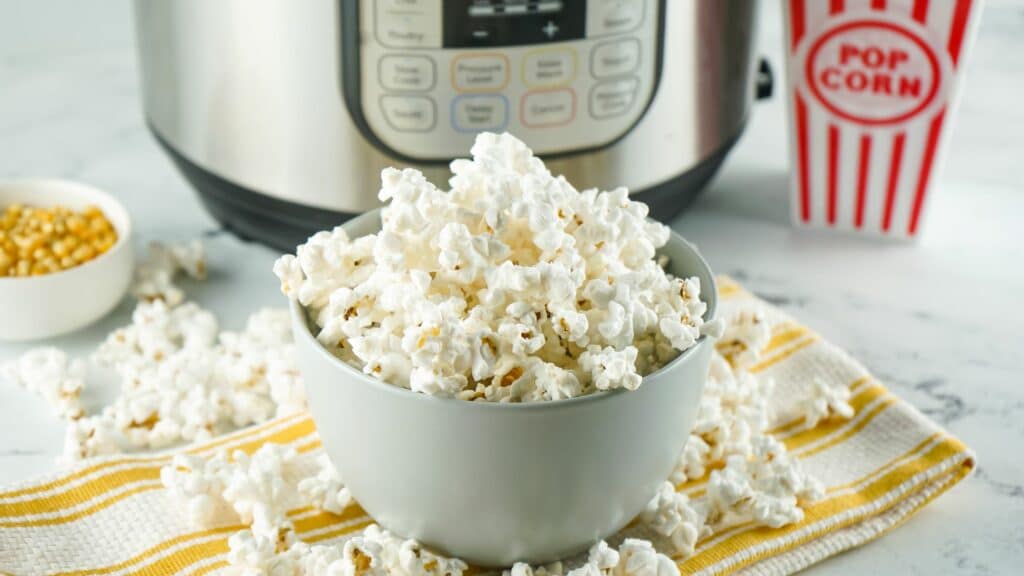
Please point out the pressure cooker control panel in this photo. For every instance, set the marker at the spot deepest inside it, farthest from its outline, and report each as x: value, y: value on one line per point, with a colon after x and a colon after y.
x: 424, y: 76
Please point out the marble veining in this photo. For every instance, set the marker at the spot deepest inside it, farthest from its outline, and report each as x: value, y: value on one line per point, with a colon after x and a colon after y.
x: 938, y: 321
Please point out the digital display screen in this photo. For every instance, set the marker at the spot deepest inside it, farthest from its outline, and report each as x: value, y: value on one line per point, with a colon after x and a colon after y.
x: 491, y: 23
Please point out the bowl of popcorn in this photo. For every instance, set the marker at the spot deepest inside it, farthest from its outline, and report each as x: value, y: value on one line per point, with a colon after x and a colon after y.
x: 508, y: 370
x: 65, y: 257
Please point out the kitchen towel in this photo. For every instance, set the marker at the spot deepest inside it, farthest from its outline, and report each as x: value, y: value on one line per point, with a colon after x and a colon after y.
x: 111, y: 515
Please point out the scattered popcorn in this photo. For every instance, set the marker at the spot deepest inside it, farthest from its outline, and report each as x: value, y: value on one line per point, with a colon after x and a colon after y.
x: 325, y: 491
x: 511, y: 287
x: 250, y: 555
x: 671, y: 515
x: 87, y: 438
x: 256, y: 488
x: 49, y: 373
x: 524, y: 569
x: 374, y: 552
x: 744, y: 337
x: 693, y: 461
x: 154, y: 278
x: 825, y: 402
x: 767, y: 488
x: 258, y: 491
x: 639, y: 558
x: 635, y: 557
x: 733, y: 409
x: 601, y: 559
x: 198, y: 482
x: 183, y: 380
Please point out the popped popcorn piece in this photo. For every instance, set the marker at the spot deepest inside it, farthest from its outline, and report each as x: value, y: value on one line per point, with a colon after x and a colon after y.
x: 154, y: 278
x: 325, y: 490
x: 256, y: 488
x: 610, y: 368
x: 252, y: 555
x: 373, y: 552
x: 182, y: 380
x: 767, y: 488
x: 49, y: 373
x: 693, y: 460
x: 602, y: 557
x: 635, y: 557
x: 88, y: 438
x: 639, y: 558
x: 511, y: 287
x: 825, y: 402
x: 670, y: 514
x: 197, y: 481
x: 744, y: 337
x: 524, y: 569
x: 733, y: 409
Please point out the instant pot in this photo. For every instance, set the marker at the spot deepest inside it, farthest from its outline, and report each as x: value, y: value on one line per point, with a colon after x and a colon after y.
x: 282, y: 113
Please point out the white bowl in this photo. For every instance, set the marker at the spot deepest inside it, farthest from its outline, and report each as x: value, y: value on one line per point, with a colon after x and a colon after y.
x: 34, y: 307
x: 499, y: 483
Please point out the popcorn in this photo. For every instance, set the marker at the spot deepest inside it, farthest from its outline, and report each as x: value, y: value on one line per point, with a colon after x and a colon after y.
x: 48, y: 373
x: 670, y: 514
x: 635, y: 557
x: 733, y: 409
x: 250, y: 555
x: 256, y: 488
x: 524, y: 569
x: 693, y: 461
x: 197, y: 481
x: 183, y: 380
x: 639, y: 558
x: 374, y: 552
x: 825, y: 402
x: 511, y: 287
x: 767, y: 488
x: 602, y: 558
x: 87, y: 438
x: 154, y: 278
x: 744, y: 337
x: 610, y: 368
x: 325, y: 491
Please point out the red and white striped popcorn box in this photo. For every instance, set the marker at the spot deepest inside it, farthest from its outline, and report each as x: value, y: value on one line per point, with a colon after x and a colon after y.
x: 874, y: 85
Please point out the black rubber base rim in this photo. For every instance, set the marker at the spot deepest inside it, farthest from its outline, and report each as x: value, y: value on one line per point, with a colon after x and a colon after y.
x: 283, y: 225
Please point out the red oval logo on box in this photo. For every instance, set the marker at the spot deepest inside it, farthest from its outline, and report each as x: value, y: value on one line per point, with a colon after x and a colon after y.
x: 873, y: 72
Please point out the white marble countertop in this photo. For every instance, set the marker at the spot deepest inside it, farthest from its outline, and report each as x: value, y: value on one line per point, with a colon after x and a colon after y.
x: 938, y: 320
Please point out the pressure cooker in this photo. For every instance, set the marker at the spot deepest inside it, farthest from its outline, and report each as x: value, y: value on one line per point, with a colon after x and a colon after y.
x: 282, y: 113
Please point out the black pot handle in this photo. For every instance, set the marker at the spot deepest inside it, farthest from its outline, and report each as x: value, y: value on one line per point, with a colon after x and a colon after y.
x: 765, y: 80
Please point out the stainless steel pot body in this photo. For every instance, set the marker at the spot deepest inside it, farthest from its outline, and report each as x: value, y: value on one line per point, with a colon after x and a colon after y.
x: 291, y: 100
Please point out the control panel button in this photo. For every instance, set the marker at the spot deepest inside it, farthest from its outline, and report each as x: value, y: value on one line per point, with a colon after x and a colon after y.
x: 613, y: 16
x: 549, y: 68
x: 480, y: 73
x: 548, y: 108
x: 409, y: 23
x: 615, y: 58
x: 409, y: 113
x: 477, y: 112
x: 613, y: 97
x: 407, y: 5
x: 406, y: 73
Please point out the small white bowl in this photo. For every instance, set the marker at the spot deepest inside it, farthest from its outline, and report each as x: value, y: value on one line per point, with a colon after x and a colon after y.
x: 499, y: 483
x: 34, y: 307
